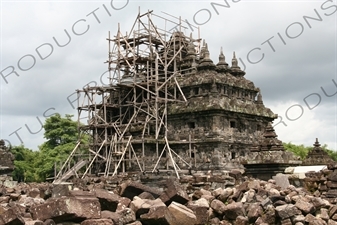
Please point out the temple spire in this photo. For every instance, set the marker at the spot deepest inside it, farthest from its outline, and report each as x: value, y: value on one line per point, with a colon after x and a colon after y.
x: 222, y: 56
x: 259, y: 98
x: 205, y: 63
x: 316, y: 144
x: 202, y: 50
x: 222, y: 66
x: 206, y: 55
x: 234, y: 61
x: 235, y: 69
x: 190, y: 47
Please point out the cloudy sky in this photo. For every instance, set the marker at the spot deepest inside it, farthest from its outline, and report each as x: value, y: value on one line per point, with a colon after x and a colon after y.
x: 287, y: 48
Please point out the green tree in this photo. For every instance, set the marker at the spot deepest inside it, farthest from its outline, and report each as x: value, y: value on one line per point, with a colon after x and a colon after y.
x: 61, y: 135
x: 24, y: 160
x: 60, y: 131
x: 298, y: 150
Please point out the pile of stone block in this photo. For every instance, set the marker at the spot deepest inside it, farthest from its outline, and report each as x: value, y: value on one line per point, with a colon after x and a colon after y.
x: 133, y: 203
x: 323, y: 183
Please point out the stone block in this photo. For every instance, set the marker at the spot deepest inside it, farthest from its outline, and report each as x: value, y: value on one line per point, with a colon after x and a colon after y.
x: 114, y: 216
x: 146, y: 195
x: 123, y: 203
x: 143, y: 206
x: 254, y: 212
x: 10, y: 216
x: 310, y: 219
x: 200, y: 209
x: 132, y: 189
x: 218, y: 206
x: 305, y: 206
x: 127, y: 216
x: 282, y: 181
x: 333, y: 176
x: 254, y: 184
x: 323, y: 214
x: 135, y: 223
x: 332, y: 193
x: 108, y: 200
x: 51, y: 222
x: 286, y: 222
x: 332, y: 211
x: 60, y: 190
x: 63, y: 209
x: 287, y: 211
x: 181, y: 214
x: 4, y: 199
x: 331, y: 222
x: 174, y: 192
x: 241, y: 220
x: 29, y: 201
x: 226, y: 193
x: 97, y: 222
x: 34, y: 193
x: 320, y: 203
x: 234, y: 210
x: 34, y: 222
x: 157, y: 215
x: 332, y: 184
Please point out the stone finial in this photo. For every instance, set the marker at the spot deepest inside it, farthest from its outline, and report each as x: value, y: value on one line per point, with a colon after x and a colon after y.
x: 190, y: 58
x: 202, y: 50
x: 259, y: 98
x: 235, y: 69
x: 234, y: 61
x: 317, y: 144
x: 190, y: 47
x: 206, y: 62
x: 222, y: 66
x: 206, y: 54
x: 221, y: 56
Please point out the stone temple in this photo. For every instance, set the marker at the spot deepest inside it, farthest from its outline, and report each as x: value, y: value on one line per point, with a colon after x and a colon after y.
x: 168, y: 106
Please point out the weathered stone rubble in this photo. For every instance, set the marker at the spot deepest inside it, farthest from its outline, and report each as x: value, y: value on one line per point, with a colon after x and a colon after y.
x: 133, y: 203
x: 323, y: 183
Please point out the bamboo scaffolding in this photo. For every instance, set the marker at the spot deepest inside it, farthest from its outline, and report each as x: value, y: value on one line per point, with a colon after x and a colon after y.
x: 143, y: 69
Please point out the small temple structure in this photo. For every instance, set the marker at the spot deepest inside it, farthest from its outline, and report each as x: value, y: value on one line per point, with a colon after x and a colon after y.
x: 268, y: 157
x: 317, y: 156
x: 6, y: 160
